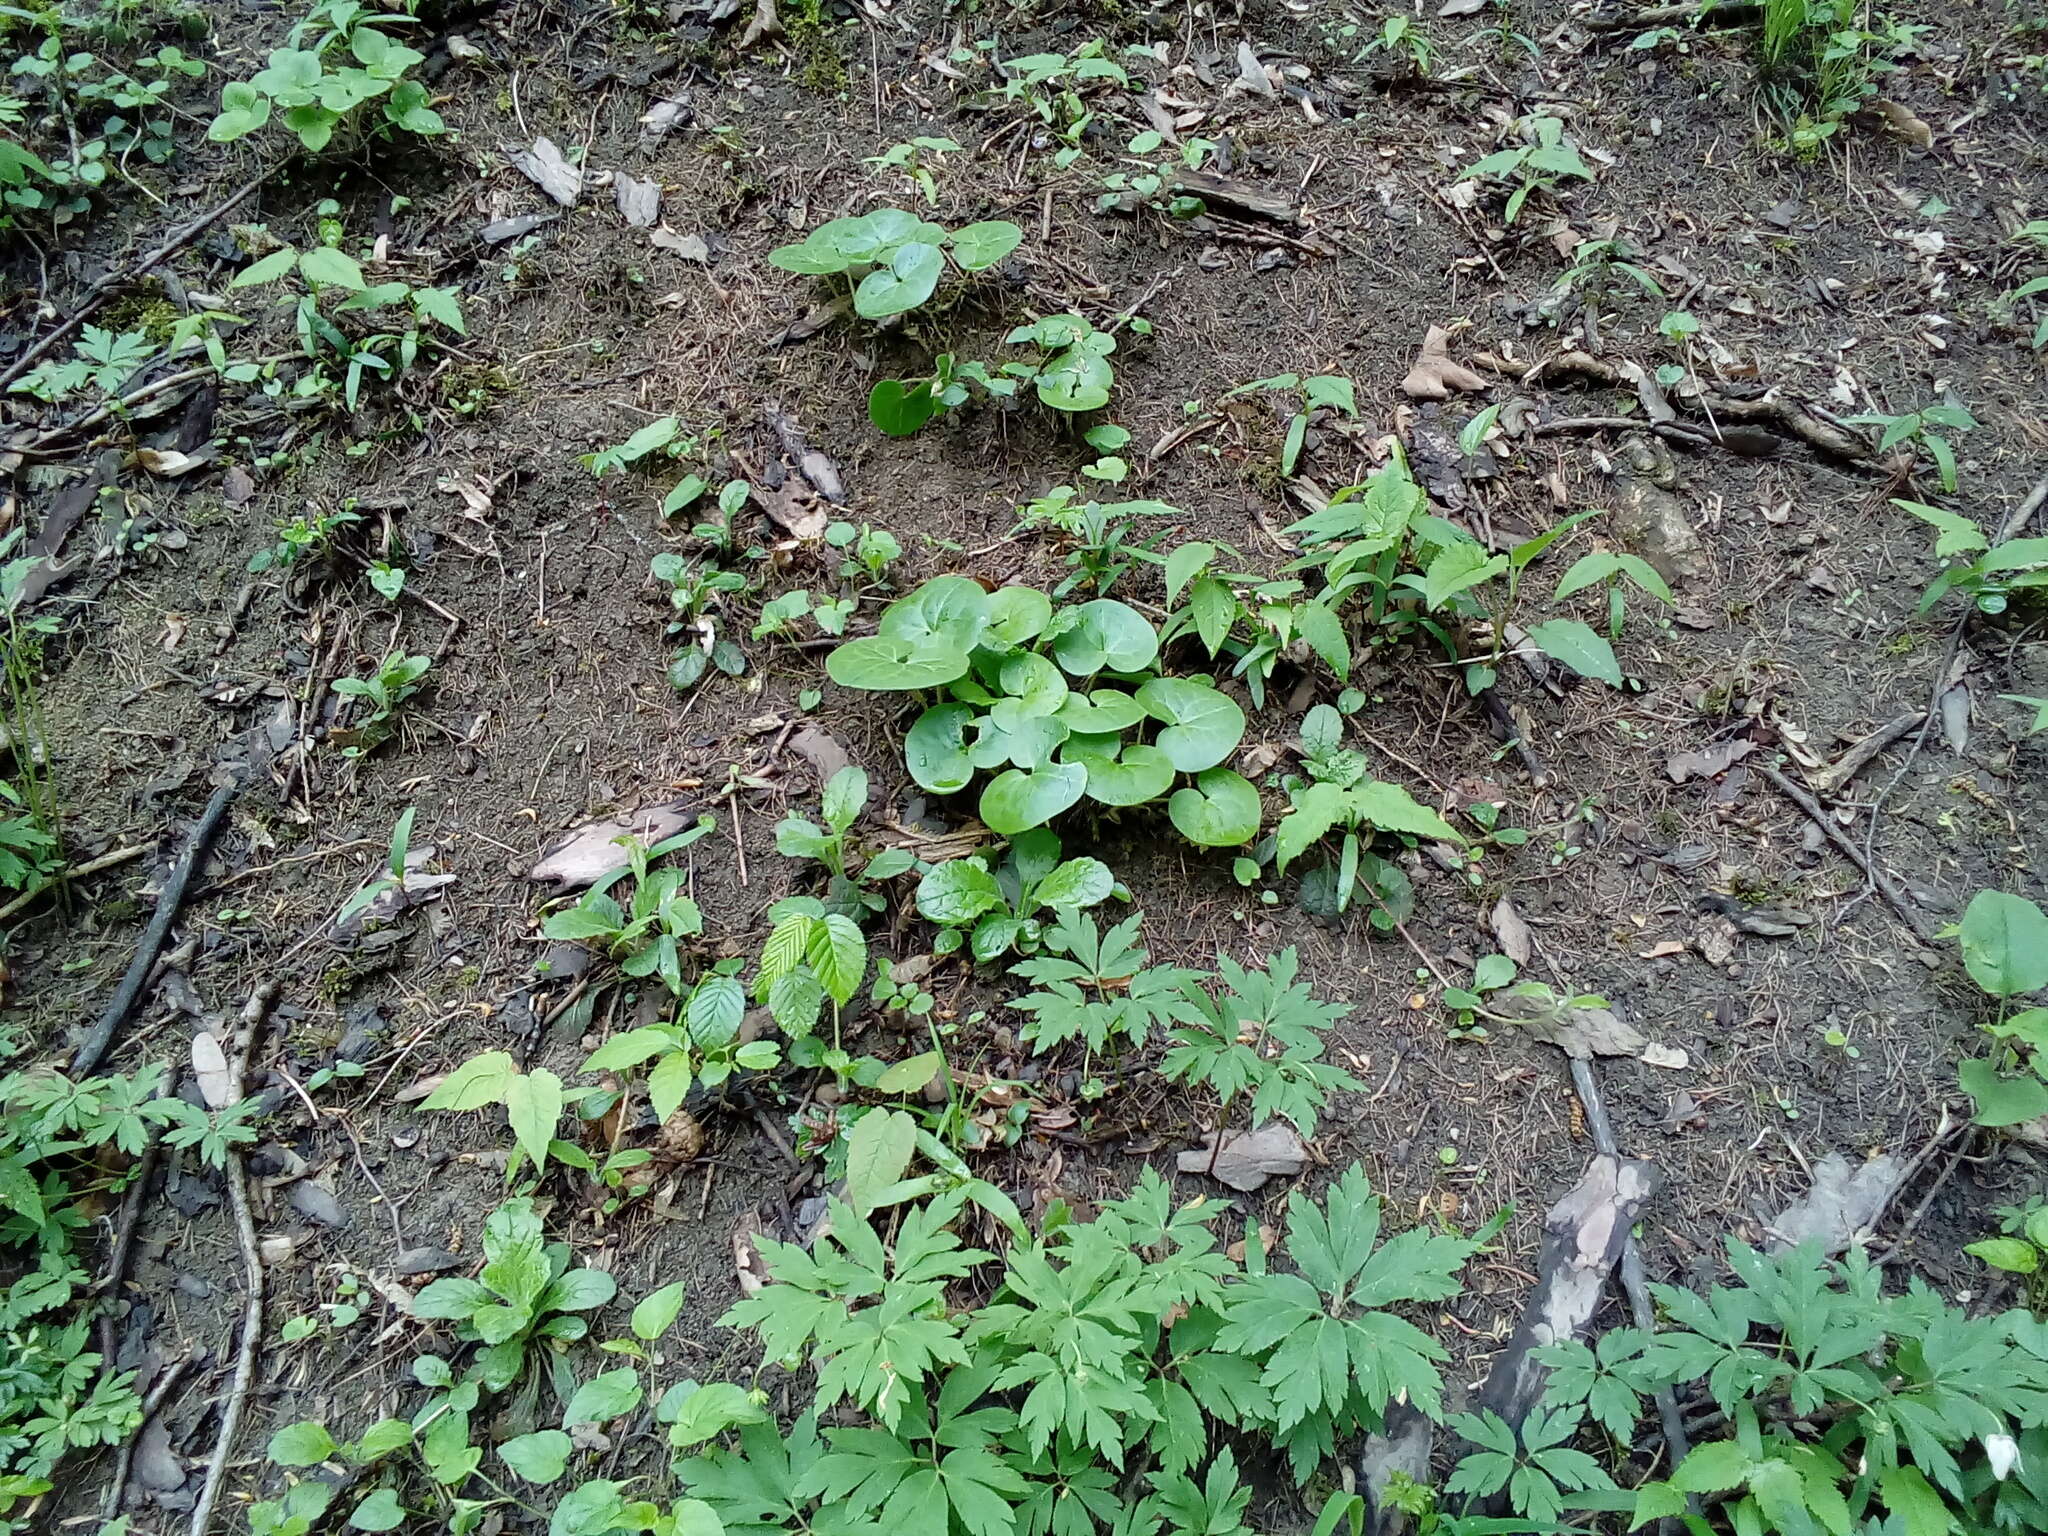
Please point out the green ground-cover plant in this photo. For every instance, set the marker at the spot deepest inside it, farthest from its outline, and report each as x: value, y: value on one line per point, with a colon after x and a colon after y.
x: 1004, y: 661
x: 323, y: 270
x: 1258, y: 1032
x: 1923, y: 429
x: 1836, y: 1399
x: 894, y: 260
x: 1102, y: 537
x: 697, y: 595
x: 900, y: 406
x: 853, y: 875
x: 1069, y: 371
x: 993, y: 910
x: 305, y: 537
x: 915, y: 158
x: 1994, y: 576
x: 2021, y: 1249
x: 2004, y: 942
x: 1331, y: 392
x: 1055, y: 85
x: 1540, y: 163
x: 383, y: 693
x: 1097, y: 987
x: 647, y: 933
x: 1822, y: 61
x: 339, y: 60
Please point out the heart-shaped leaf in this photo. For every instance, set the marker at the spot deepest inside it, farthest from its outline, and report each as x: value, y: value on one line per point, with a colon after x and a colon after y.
x: 1106, y: 711
x: 957, y: 891
x: 1137, y: 774
x: 1106, y: 634
x: 951, y: 611
x: 898, y: 409
x: 1220, y: 811
x: 982, y: 245
x: 1018, y: 801
x: 906, y: 282
x: 1017, y: 614
x: 1075, y: 380
x: 1034, y: 683
x: 1203, y: 725
x: 935, y: 749
x: 886, y: 663
x: 1009, y: 734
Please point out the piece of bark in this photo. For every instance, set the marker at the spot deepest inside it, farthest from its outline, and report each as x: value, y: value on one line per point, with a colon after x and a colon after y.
x: 1844, y: 1203
x: 1241, y: 195
x: 1583, y: 1236
x: 1857, y: 758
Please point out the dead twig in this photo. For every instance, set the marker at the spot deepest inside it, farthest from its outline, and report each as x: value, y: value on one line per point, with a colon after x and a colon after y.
x: 253, y: 1014
x: 105, y: 861
x: 1633, y: 1281
x: 172, y: 897
x: 1879, y: 881
x: 101, y: 291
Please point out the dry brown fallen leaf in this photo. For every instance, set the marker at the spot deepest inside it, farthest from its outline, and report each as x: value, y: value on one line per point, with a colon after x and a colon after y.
x: 1901, y: 121
x: 210, y: 1071
x: 1434, y: 375
x: 1708, y: 762
x: 748, y: 1264
x: 593, y: 850
x: 1247, y: 1159
x: 1582, y: 1031
x: 1512, y: 932
x: 547, y: 168
x: 638, y: 200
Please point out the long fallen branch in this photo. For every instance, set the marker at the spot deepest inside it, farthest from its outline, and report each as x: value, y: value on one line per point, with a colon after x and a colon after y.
x: 94, y: 1050
x: 1879, y: 881
x: 253, y: 1013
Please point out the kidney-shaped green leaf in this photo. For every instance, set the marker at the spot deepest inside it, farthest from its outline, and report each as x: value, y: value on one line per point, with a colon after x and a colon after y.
x: 1017, y: 614
x: 935, y: 749
x: 1018, y: 801
x: 947, y: 610
x: 1106, y: 634
x: 983, y: 245
x: 1220, y: 811
x: 1105, y: 711
x: 890, y: 662
x: 907, y: 281
x: 1131, y: 777
x: 1203, y: 725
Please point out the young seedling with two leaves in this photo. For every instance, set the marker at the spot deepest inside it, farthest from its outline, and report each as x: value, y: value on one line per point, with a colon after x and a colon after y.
x: 1923, y: 429
x: 1997, y: 574
x: 893, y: 260
x: 384, y: 692
x: 1331, y: 392
x: 853, y: 879
x: 1539, y: 164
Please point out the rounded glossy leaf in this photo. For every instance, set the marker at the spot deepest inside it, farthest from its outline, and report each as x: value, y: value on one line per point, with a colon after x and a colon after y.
x: 906, y: 282
x: 935, y: 750
x: 1220, y: 811
x: 1076, y: 883
x: 1106, y: 711
x: 898, y: 410
x: 949, y: 611
x: 1034, y: 683
x: 1075, y: 381
x: 1106, y: 634
x: 1017, y: 614
x: 814, y: 257
x: 1010, y: 735
x: 1132, y: 777
x: 1203, y: 725
x: 890, y: 663
x: 1017, y: 801
x: 982, y: 245
x: 877, y: 236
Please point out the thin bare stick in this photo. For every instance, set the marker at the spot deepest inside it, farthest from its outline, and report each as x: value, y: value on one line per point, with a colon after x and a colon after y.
x: 253, y: 1013
x: 91, y: 867
x: 166, y: 1383
x: 1879, y: 881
